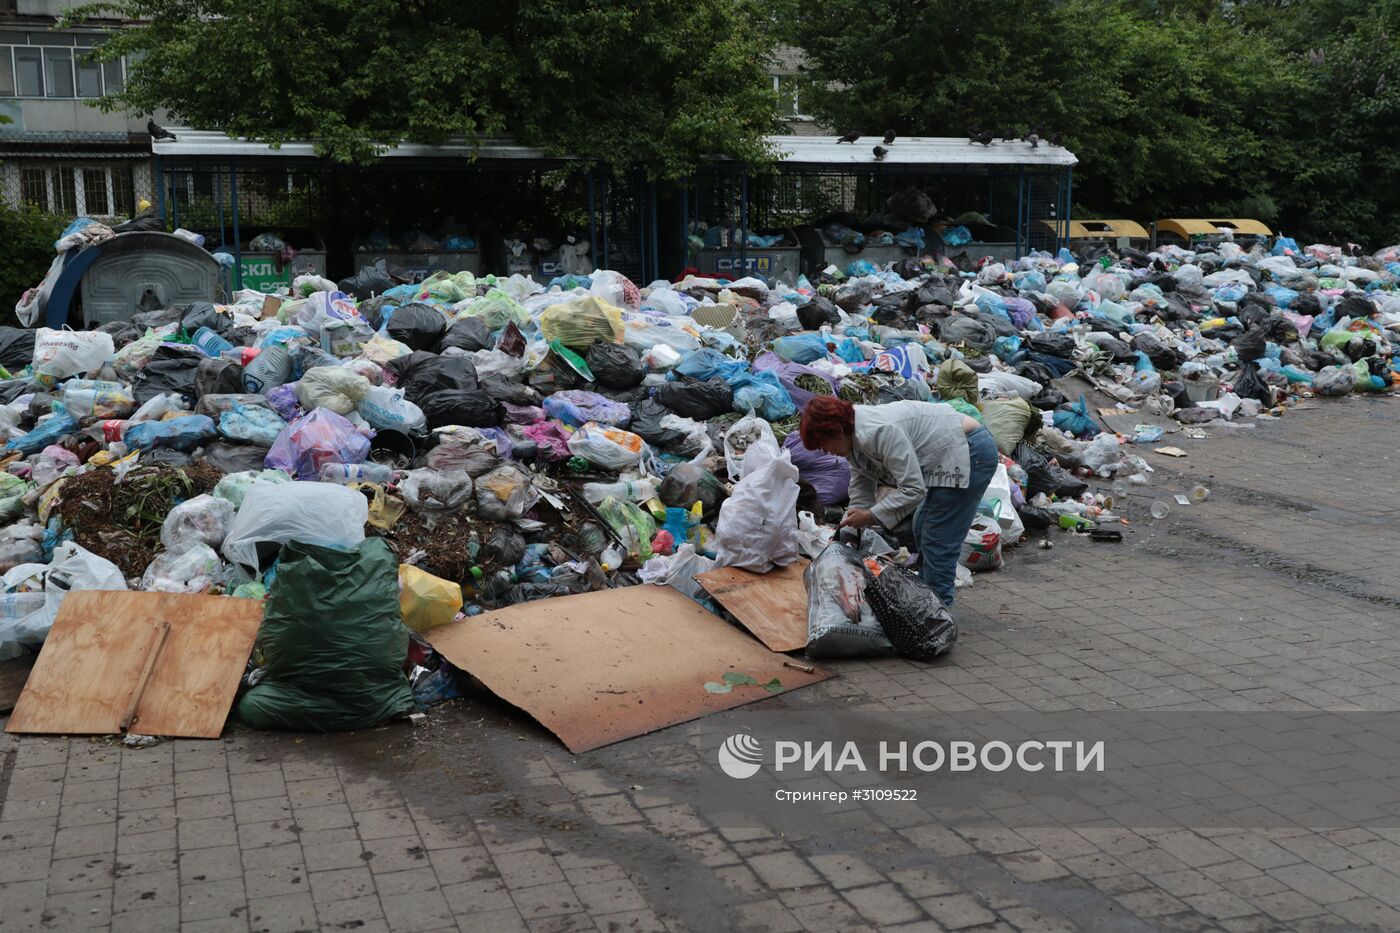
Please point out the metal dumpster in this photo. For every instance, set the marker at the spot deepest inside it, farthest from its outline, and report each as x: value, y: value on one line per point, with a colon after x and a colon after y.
x: 543, y: 258
x: 782, y: 261
x: 147, y: 271
x: 263, y: 269
x: 417, y: 264
x: 820, y: 251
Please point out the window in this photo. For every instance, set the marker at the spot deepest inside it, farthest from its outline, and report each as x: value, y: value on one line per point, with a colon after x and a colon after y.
x: 44, y: 69
x: 29, y: 72
x: 89, y: 76
x: 58, y: 72
x: 65, y: 192
x: 33, y: 189
x: 786, y: 88
x: 112, y: 76
x: 95, y: 192
x: 122, y: 201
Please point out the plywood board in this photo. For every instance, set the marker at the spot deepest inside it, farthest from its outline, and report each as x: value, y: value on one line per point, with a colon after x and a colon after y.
x: 90, y: 671
x: 602, y: 667
x: 772, y: 605
x: 13, y: 674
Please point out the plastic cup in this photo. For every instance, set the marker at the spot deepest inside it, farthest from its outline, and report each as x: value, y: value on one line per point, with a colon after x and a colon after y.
x: 1120, y: 489
x: 1199, y: 493
x: 1160, y: 509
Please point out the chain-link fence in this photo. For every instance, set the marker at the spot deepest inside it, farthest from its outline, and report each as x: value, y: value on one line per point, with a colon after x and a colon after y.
x: 108, y: 188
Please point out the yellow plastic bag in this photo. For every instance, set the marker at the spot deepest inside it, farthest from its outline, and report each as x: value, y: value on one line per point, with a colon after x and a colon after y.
x: 426, y: 601
x: 576, y: 324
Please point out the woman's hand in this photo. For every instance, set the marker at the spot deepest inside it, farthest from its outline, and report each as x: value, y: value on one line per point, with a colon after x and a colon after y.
x: 857, y: 518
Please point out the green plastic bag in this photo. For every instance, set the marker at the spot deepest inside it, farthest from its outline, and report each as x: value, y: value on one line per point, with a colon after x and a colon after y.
x: 1009, y: 420
x: 957, y: 380
x: 332, y: 640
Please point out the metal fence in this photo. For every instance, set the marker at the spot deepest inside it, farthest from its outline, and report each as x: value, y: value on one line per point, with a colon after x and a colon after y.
x: 106, y: 188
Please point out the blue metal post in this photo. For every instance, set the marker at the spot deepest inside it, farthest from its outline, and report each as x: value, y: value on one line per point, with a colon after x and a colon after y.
x: 655, y: 244
x: 744, y: 224
x: 607, y: 197
x: 160, y: 187
x: 685, y: 224
x: 237, y: 238
x: 1023, y: 239
x: 1069, y: 199
x: 219, y: 196
x: 175, y: 200
x: 592, y: 222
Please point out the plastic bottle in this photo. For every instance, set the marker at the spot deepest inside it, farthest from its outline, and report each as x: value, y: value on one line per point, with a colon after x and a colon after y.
x: 210, y: 342
x: 637, y: 490
x: 611, y: 558
x: 347, y: 473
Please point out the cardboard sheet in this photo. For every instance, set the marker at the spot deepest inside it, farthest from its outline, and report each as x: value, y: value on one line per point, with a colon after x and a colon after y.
x: 110, y: 660
x: 772, y: 605
x: 602, y: 667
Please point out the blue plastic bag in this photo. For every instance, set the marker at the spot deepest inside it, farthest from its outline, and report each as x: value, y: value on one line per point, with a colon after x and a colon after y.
x: 912, y: 238
x: 45, y: 434
x: 184, y: 433
x: 859, y: 267
x: 252, y: 424
x: 957, y: 236
x: 1076, y: 420
x: 1028, y: 281
x: 1143, y: 364
x: 849, y: 351
x: 706, y: 363
x: 1283, y: 296
x: 763, y: 393
x: 801, y: 348
x: 1006, y: 348
x: 1285, y: 244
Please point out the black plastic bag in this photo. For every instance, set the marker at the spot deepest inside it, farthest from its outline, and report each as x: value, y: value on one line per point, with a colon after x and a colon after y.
x: 1049, y: 399
x: 820, y: 310
x: 1354, y: 306
x: 1061, y: 345
x: 1308, y: 305
x: 469, y: 334
x: 425, y: 373
x: 214, y: 376
x: 203, y: 314
x: 616, y: 366
x: 646, y: 424
x: 691, y: 398
x: 1161, y: 355
x: 372, y: 310
x: 1035, y: 518
x: 169, y: 370
x: 1249, y: 384
x: 687, y: 484
x: 1250, y: 345
x: 231, y: 457
x: 372, y: 280
x: 123, y: 332
x: 420, y: 327
x: 1043, y: 476
x: 471, y: 408
x: 504, y: 390
x: 914, y: 620
x: 504, y: 546
x: 16, y: 347
x: 1117, y: 349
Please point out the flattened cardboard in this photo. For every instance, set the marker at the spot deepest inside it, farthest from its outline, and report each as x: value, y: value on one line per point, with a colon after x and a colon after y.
x: 93, y: 665
x: 773, y: 605
x: 601, y: 667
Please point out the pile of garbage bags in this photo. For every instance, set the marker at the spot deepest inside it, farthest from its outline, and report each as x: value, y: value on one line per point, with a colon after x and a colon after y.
x: 503, y: 440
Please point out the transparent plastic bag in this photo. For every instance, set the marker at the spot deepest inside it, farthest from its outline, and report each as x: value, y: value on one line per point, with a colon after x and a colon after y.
x: 504, y: 494
x: 252, y: 425
x: 202, y: 520
x: 337, y: 388
x: 433, y: 491
x: 194, y: 570
x: 313, y: 513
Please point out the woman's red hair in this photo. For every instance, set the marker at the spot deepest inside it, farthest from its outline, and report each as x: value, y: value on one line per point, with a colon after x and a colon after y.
x: 826, y: 418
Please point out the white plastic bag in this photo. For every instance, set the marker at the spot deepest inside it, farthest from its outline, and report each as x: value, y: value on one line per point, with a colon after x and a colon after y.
x: 981, y: 549
x: 611, y: 448
x: 73, y: 568
x: 1006, y: 385
x: 840, y: 623
x: 59, y: 354
x: 203, y: 520
x: 757, y: 528
x: 385, y: 407
x: 429, y: 490
x: 195, y: 570
x: 337, y: 388
x: 812, y: 538
x: 316, y: 513
x: 999, y: 494
x: 744, y: 434
x: 677, y: 571
x: 1103, y: 451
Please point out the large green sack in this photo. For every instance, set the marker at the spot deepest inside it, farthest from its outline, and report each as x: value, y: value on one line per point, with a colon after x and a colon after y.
x: 333, y: 642
x: 957, y: 380
x: 1009, y: 420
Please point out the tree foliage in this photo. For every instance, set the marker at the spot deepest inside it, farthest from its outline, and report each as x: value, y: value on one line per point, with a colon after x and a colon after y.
x: 1280, y: 108
x: 28, y: 236
x: 661, y: 83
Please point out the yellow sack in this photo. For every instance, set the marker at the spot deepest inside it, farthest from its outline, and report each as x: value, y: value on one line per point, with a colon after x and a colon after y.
x: 576, y: 324
x: 426, y: 601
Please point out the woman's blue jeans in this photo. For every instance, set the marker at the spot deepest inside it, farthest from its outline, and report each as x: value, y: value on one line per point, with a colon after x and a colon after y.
x: 942, y: 522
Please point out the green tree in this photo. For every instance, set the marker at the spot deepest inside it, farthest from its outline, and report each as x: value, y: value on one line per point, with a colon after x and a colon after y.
x: 28, y: 236
x: 661, y: 83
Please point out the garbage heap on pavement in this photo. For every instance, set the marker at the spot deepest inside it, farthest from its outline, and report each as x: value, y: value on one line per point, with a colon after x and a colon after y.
x: 508, y: 441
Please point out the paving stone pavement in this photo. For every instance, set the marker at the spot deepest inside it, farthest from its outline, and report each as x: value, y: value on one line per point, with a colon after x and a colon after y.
x: 1278, y: 593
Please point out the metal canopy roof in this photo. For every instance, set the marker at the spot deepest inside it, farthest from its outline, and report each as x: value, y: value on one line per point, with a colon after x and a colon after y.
x: 793, y: 150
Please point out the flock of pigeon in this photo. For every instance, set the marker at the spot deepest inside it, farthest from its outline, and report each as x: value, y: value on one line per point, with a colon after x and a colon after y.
x: 974, y: 135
